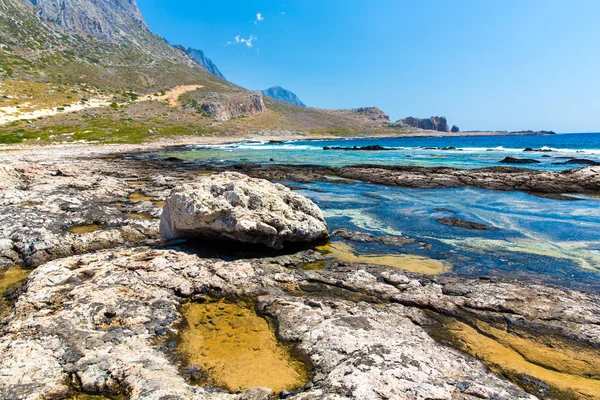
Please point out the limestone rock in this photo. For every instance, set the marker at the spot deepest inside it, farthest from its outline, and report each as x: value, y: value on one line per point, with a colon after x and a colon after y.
x: 236, y: 207
x: 431, y: 124
x: 107, y: 20
x: 224, y: 106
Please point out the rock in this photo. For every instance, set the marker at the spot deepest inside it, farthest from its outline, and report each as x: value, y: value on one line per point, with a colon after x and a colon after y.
x: 461, y: 223
x: 356, y: 148
x: 109, y: 329
x: 540, y: 150
x: 281, y: 94
x: 431, y: 124
x: 363, y: 237
x: 224, y: 106
x: 109, y: 21
x: 578, y: 180
x: 235, y: 207
x: 515, y: 160
x: 581, y: 161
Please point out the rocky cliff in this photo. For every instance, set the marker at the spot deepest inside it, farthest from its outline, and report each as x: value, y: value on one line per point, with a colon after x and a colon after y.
x: 199, y: 58
x: 281, y: 94
x: 225, y: 106
x: 108, y: 20
x: 430, y: 124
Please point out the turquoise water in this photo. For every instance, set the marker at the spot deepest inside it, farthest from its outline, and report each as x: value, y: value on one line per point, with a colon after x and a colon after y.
x: 558, y: 241
x: 471, y: 152
x: 552, y: 240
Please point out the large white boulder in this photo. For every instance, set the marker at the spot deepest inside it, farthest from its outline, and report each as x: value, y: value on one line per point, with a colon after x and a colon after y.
x: 235, y: 207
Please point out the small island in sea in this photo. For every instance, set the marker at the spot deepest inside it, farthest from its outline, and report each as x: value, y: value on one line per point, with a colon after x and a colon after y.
x: 167, y: 234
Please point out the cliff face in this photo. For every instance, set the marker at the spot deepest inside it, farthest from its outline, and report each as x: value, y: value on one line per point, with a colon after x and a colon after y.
x: 199, y: 58
x: 107, y: 20
x: 224, y: 106
x: 431, y: 124
x: 281, y: 94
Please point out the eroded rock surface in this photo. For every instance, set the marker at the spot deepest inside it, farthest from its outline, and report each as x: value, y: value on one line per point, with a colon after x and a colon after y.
x: 235, y: 207
x: 98, y: 321
x: 41, y: 200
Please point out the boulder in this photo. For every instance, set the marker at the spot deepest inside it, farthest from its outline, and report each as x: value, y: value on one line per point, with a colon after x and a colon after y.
x: 233, y: 206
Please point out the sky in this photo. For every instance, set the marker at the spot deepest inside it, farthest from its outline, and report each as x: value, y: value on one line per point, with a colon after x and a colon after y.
x: 483, y: 64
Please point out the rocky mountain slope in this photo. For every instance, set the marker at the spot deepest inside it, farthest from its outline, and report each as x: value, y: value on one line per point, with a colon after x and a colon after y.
x: 112, y: 20
x: 281, y: 94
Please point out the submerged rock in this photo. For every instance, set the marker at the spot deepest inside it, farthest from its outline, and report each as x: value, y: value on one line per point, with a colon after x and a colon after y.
x: 356, y: 148
x: 461, y: 223
x: 515, y: 160
x: 232, y: 206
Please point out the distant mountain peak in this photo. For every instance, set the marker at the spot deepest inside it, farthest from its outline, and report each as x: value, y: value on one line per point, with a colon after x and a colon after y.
x: 199, y: 58
x: 281, y: 94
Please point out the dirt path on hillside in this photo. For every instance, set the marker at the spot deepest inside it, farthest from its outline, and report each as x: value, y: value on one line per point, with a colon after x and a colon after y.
x: 10, y: 114
x: 172, y: 96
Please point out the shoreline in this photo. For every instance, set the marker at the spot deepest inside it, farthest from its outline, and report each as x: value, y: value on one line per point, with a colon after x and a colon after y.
x: 219, y: 140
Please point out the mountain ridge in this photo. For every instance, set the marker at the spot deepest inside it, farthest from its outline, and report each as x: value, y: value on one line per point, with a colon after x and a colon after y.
x: 205, y: 62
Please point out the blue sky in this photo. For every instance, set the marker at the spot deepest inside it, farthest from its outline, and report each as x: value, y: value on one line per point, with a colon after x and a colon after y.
x: 484, y: 64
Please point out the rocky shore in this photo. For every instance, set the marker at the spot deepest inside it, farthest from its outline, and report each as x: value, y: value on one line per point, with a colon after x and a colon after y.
x: 102, y: 312
x: 581, y: 180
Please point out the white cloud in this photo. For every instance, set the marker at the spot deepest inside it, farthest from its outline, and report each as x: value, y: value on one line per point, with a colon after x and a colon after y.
x: 239, y: 39
x: 259, y: 18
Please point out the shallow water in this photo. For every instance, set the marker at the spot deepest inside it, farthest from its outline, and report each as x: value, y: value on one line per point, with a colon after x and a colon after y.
x: 10, y: 279
x: 83, y: 229
x: 344, y: 252
x: 557, y: 241
x: 566, y: 370
x: 238, y: 349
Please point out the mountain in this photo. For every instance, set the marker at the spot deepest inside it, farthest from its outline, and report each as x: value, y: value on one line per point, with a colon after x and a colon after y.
x: 281, y: 94
x: 199, y: 58
x: 104, y: 44
x: 91, y: 70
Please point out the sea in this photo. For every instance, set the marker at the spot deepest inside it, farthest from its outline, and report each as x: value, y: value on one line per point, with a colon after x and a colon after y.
x: 539, y: 239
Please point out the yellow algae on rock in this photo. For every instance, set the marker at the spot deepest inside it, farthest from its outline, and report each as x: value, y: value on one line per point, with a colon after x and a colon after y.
x: 237, y: 348
x: 412, y: 263
x: 138, y: 197
x: 9, y: 279
x: 570, y: 372
x: 144, y: 216
x: 83, y: 229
